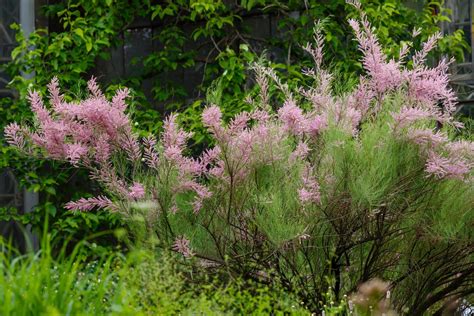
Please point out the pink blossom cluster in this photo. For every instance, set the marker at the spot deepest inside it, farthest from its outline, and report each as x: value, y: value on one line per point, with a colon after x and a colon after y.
x: 429, y: 98
x: 448, y: 167
x: 92, y: 132
x: 182, y: 245
x: 256, y: 139
x: 409, y: 115
x: 188, y: 169
x: 427, y: 88
x: 88, y: 204
x: 242, y: 144
x: 451, y: 160
x: 384, y: 75
x: 309, y: 192
x: 297, y: 123
x: 85, y: 133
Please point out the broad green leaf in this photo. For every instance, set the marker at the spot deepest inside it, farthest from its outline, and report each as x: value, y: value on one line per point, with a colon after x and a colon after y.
x: 89, y: 45
x: 79, y: 32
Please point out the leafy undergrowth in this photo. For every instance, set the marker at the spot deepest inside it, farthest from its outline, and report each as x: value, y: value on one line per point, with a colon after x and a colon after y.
x: 138, y: 283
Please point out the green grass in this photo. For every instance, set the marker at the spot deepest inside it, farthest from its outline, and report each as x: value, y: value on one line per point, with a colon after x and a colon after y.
x: 138, y: 283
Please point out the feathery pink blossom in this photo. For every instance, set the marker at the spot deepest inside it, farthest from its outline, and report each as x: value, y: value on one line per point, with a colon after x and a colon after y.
x: 420, y: 56
x: 217, y: 171
x: 292, y: 118
x: 211, y: 116
x: 102, y: 149
x: 354, y: 116
x: 316, y: 125
x: 75, y: 151
x: 136, y: 191
x: 131, y: 146
x: 430, y: 86
x: 182, y: 246
x: 38, y: 108
x: 172, y: 134
x: 239, y: 122
x: 427, y: 137
x: 384, y: 75
x: 260, y: 116
x: 53, y: 89
x: 118, y: 100
x: 173, y: 154
x: 89, y: 131
x: 209, y: 156
x: 94, y: 88
x: 201, y: 191
x: 462, y: 148
x: 447, y: 167
x: 362, y: 96
x: 174, y: 141
x: 14, y: 135
x: 408, y: 115
x: 310, y: 191
x: 301, y: 151
x: 150, y: 155
x: 88, y: 204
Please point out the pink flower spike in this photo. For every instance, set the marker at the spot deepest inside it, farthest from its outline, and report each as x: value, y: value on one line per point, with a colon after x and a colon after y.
x: 150, y: 155
x: 462, y: 148
x: 407, y: 115
x: 316, y: 125
x: 173, y: 154
x: 451, y: 168
x: 118, y: 101
x: 13, y: 135
x: 38, y: 108
x: 239, y: 122
x: 136, y: 191
x: 309, y: 193
x: 301, y: 151
x: 260, y: 116
x: 89, y: 204
x: 94, y: 88
x: 304, y: 195
x: 384, y: 75
x: 426, y: 137
x: 172, y: 134
x: 182, y: 246
x: 56, y: 97
x: 292, y: 118
x: 211, y: 116
x: 74, y: 152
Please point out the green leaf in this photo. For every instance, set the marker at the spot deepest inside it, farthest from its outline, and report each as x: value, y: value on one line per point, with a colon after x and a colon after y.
x: 79, y: 32
x: 51, y: 190
x: 89, y: 45
x: 16, y: 52
x: 51, y: 209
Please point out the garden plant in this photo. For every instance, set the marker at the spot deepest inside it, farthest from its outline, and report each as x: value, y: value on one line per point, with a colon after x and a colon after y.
x: 213, y: 38
x: 139, y: 283
x: 316, y: 188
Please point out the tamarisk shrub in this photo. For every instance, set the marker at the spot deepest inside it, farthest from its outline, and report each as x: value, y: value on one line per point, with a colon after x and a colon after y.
x: 321, y: 193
